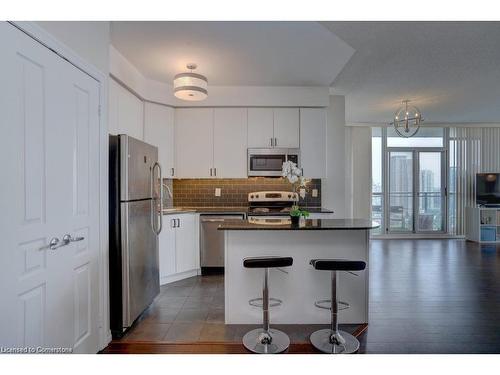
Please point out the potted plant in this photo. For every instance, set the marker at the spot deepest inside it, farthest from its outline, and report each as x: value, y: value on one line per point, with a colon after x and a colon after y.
x: 294, y: 176
x: 296, y: 213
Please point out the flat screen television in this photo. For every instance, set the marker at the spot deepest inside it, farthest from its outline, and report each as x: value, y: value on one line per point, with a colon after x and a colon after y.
x: 488, y: 189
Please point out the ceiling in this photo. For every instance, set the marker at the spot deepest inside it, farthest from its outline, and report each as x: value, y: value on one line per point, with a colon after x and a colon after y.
x: 450, y: 70
x: 234, y: 53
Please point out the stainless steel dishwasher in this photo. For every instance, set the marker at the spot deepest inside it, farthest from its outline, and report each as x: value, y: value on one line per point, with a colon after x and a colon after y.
x: 212, y: 241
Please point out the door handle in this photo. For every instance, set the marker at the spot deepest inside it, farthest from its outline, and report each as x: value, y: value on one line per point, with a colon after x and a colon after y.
x: 153, y: 200
x: 53, y: 244
x: 67, y: 239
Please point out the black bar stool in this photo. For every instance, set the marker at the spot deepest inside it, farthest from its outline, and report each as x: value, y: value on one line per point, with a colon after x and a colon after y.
x: 333, y: 340
x: 266, y: 340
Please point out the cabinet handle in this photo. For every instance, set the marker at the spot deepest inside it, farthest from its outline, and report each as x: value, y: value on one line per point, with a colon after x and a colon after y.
x: 271, y: 142
x: 215, y: 171
x: 178, y: 223
x: 275, y: 142
x: 172, y: 171
x: 172, y: 223
x: 210, y: 171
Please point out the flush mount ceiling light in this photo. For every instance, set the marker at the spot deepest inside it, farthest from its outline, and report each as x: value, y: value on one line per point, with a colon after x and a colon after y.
x: 407, y: 120
x: 190, y: 86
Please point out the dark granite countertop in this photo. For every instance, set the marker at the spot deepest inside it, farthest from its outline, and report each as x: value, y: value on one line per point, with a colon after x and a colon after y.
x: 311, y: 210
x: 232, y: 209
x: 204, y: 210
x: 314, y: 224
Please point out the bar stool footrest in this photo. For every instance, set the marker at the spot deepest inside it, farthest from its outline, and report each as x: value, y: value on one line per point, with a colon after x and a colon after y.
x: 258, y: 302
x: 327, y: 304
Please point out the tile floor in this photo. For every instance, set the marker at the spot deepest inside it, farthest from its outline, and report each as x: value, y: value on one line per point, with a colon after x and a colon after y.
x: 192, y: 310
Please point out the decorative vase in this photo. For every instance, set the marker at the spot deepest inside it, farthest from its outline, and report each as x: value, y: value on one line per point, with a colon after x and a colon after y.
x: 295, y: 220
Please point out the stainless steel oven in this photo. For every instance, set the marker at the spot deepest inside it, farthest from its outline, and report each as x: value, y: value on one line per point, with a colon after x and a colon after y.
x: 268, y: 162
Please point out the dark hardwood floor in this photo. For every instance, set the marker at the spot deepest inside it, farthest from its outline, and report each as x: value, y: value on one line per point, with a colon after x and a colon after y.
x: 426, y: 296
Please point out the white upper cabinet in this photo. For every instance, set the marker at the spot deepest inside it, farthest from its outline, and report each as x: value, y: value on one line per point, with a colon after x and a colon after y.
x: 313, y: 142
x: 126, y: 112
x: 273, y: 127
x: 286, y: 127
x: 159, y: 131
x: 194, y: 142
x: 260, y: 127
x: 230, y: 143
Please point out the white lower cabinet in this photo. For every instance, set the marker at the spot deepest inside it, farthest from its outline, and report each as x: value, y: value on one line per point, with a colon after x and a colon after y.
x: 167, y: 249
x: 179, y: 247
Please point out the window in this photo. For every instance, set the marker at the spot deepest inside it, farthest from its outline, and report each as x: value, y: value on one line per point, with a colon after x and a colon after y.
x: 409, y: 181
x: 377, y: 186
x: 425, y: 137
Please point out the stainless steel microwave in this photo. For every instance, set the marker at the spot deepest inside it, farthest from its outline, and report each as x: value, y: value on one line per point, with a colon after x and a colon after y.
x: 268, y: 162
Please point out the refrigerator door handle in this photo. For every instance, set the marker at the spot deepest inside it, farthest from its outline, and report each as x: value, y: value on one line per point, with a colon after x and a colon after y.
x: 153, y: 200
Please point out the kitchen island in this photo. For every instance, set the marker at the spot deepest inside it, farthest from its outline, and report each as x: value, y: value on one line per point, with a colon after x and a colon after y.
x: 301, y: 286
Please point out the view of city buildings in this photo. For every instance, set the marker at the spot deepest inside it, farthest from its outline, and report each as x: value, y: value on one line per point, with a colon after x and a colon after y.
x: 407, y: 185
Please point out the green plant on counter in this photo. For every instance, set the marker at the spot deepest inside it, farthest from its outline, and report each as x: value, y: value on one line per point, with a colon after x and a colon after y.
x: 297, y: 212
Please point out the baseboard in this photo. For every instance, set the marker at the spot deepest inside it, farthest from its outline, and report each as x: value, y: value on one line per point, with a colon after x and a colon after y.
x: 178, y: 276
x: 443, y: 236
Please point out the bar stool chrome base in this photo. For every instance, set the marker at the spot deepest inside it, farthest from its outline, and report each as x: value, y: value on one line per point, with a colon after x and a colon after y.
x: 341, y: 343
x: 259, y: 341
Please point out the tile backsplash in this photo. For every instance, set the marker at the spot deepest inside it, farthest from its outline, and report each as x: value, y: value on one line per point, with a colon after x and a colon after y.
x: 234, y: 191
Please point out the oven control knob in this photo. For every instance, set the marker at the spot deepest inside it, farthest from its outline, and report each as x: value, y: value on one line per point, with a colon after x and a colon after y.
x: 257, y: 196
x: 251, y: 196
x: 289, y: 195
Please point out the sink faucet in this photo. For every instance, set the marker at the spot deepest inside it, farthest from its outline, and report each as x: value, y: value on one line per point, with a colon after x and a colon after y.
x: 169, y: 191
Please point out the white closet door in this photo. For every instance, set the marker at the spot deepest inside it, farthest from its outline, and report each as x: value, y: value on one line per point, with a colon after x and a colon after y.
x: 49, y: 151
x: 159, y: 131
x: 230, y: 142
x: 194, y: 142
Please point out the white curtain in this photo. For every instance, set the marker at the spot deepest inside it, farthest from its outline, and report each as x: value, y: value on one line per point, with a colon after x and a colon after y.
x: 471, y: 151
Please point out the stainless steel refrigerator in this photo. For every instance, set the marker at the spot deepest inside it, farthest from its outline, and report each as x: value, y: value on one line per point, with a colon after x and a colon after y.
x: 135, y: 221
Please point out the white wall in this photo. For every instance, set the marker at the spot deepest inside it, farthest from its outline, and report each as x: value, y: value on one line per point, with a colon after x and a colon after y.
x: 358, y: 172
x: 333, y: 186
x: 89, y: 39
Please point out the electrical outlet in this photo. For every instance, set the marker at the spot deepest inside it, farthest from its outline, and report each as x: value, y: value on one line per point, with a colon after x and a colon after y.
x: 217, y: 192
x: 315, y: 193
